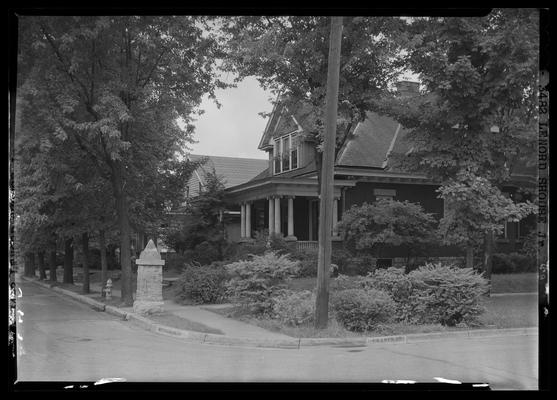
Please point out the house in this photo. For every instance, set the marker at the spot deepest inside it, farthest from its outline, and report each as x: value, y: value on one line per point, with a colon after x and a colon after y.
x: 283, y: 198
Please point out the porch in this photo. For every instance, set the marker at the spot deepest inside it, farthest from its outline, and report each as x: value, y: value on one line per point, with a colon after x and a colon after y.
x: 284, y: 207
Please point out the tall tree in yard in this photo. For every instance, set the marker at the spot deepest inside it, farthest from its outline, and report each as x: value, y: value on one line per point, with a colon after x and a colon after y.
x: 476, y: 118
x: 115, y: 86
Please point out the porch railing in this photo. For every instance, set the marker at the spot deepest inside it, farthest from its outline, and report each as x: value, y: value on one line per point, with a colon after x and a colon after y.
x: 307, y: 244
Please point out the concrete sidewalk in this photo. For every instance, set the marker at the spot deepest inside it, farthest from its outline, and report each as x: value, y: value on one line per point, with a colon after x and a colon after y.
x: 229, y: 326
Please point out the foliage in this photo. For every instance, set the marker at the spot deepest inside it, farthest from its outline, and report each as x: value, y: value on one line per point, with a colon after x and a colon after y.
x: 445, y: 294
x: 289, y: 55
x: 113, y: 87
x: 201, y: 284
x: 361, y: 310
x: 476, y: 73
x: 175, y: 261
x: 513, y: 263
x: 370, y: 227
x: 343, y: 282
x: 294, y: 308
x: 254, y: 282
x: 476, y: 115
x: 474, y: 206
x: 202, y: 224
x: 391, y: 280
x: 530, y: 245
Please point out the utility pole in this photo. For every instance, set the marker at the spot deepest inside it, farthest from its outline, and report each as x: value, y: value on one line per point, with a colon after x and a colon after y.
x: 327, y: 172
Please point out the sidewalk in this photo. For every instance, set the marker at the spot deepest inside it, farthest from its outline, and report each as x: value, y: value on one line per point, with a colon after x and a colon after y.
x: 237, y: 333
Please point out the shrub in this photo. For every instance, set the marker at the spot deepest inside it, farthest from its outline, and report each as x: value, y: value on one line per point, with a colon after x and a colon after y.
x: 254, y: 282
x: 205, y: 253
x: 308, y: 262
x: 202, y: 284
x: 361, y: 310
x: 294, y: 308
x: 513, y: 263
x: 359, y: 265
x: 343, y: 282
x: 175, y: 261
x: 391, y: 280
x: 444, y: 294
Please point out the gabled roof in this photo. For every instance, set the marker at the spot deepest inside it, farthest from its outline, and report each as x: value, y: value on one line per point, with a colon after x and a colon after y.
x: 233, y: 170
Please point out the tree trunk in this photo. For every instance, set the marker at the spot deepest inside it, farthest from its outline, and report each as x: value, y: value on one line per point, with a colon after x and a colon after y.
x: 124, y: 227
x: 85, y: 250
x: 469, y: 257
x: 104, y: 269
x: 68, y: 261
x: 27, y: 265
x: 42, y: 274
x: 488, y: 258
x: 32, y: 266
x: 52, y: 264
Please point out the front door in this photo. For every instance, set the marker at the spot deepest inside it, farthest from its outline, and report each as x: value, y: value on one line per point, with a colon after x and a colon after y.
x: 313, y: 219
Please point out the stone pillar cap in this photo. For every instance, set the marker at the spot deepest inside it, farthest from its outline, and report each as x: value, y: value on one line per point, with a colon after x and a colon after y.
x: 150, y: 255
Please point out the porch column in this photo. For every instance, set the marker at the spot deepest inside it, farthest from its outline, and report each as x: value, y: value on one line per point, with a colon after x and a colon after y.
x: 335, y: 216
x: 277, y: 216
x: 291, y: 219
x: 271, y: 215
x: 243, y: 220
x: 248, y: 220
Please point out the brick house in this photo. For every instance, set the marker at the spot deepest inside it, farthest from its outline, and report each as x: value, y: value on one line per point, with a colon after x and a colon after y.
x: 283, y: 197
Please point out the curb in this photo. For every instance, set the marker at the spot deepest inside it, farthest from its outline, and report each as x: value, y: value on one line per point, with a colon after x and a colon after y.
x: 117, y: 312
x: 294, y: 343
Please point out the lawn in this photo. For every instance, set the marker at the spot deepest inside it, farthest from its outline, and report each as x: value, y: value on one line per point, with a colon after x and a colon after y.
x: 512, y: 311
x: 514, y: 283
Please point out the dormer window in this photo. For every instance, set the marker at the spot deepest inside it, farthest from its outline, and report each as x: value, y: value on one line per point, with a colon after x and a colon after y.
x: 285, y: 153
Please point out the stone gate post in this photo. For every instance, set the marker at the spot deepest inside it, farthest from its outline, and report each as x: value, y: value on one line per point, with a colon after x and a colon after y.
x: 148, y: 298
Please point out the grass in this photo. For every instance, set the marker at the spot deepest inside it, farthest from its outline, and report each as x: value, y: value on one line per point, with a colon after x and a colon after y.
x: 510, y: 311
x: 514, y: 283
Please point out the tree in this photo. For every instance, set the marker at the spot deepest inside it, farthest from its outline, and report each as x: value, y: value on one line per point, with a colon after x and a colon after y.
x: 203, y: 218
x: 370, y: 228
x: 288, y: 55
x: 116, y: 86
x: 475, y: 120
x: 475, y: 206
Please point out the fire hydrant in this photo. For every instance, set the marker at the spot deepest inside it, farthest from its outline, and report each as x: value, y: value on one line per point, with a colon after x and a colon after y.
x: 108, y: 289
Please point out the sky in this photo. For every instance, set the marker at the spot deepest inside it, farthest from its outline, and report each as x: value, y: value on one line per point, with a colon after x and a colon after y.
x: 235, y: 129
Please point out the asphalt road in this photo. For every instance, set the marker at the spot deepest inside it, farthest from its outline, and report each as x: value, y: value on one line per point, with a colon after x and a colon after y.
x: 63, y: 340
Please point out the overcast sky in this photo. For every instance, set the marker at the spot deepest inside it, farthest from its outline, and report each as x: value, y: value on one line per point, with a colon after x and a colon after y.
x: 235, y: 129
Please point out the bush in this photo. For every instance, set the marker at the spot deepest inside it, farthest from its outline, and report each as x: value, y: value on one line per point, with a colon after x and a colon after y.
x: 361, y: 310
x: 391, y: 280
x: 343, y: 282
x: 254, y: 282
x: 204, y: 253
x: 359, y: 265
x: 513, y: 263
x: 175, y: 261
x: 202, y: 284
x: 308, y: 262
x: 294, y: 308
x: 444, y: 294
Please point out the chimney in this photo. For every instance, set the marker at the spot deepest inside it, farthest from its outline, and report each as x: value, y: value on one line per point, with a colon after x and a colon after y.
x: 408, y: 88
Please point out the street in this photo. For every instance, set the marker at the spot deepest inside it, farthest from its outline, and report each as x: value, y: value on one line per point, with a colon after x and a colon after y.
x: 63, y: 340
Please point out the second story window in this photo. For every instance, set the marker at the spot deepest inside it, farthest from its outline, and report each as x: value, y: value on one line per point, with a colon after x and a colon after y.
x: 285, y: 153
